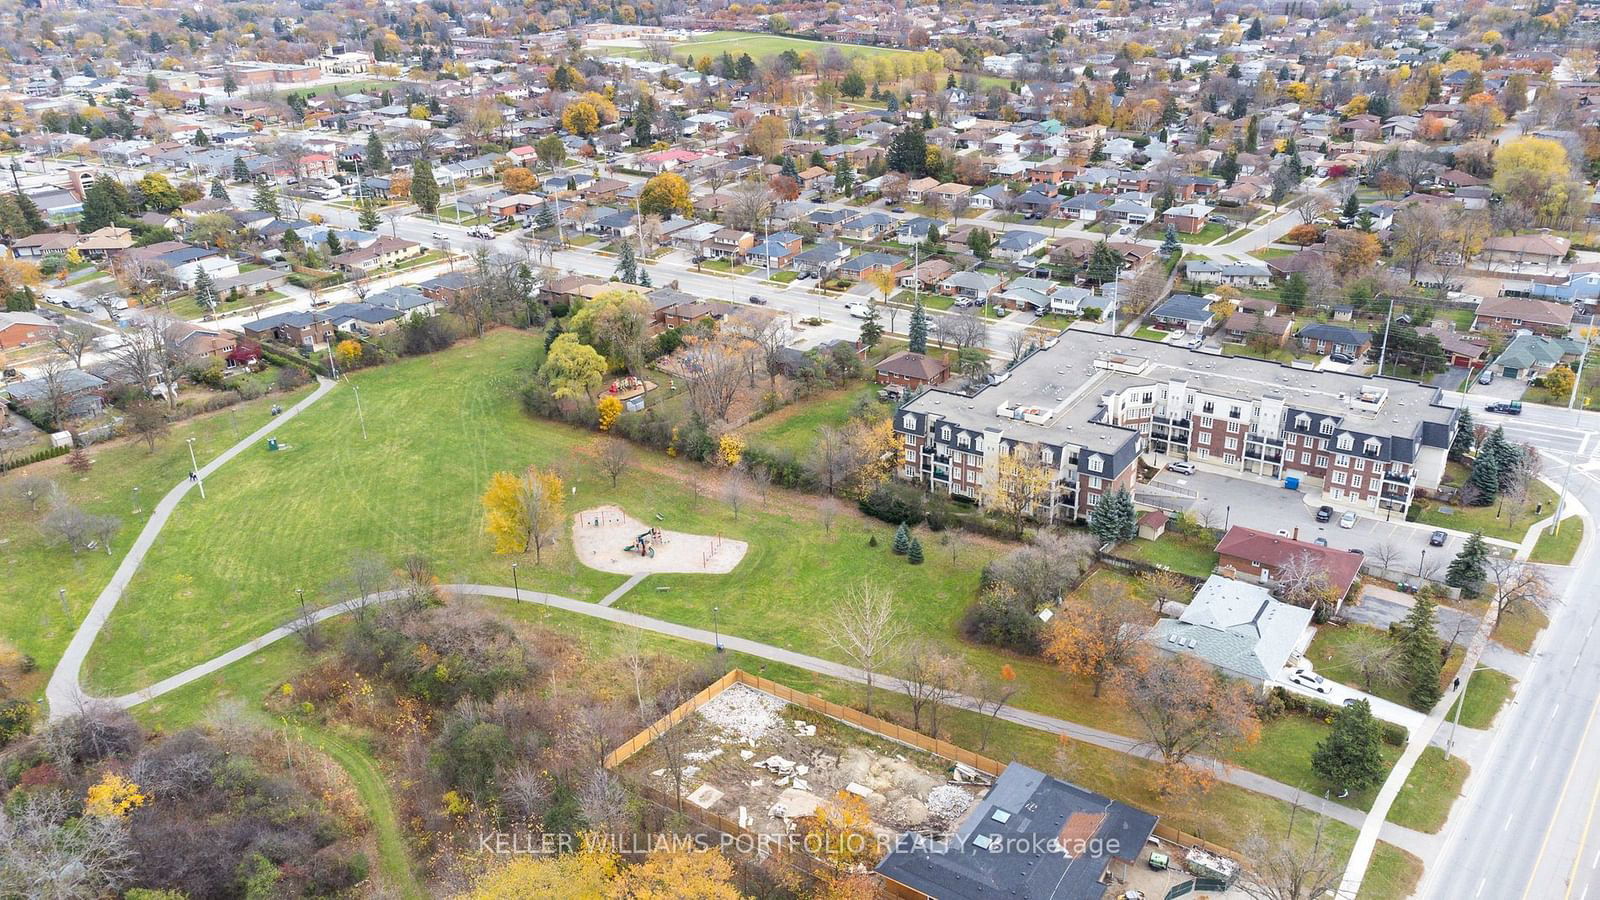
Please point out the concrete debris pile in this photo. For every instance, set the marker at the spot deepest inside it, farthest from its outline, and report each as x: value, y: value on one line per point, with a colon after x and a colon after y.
x: 743, y: 713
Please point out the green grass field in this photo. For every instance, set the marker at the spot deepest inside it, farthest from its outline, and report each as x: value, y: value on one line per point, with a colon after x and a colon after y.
x: 1519, y: 627
x: 1424, y: 800
x: 1498, y: 520
x: 1559, y: 548
x: 793, y: 429
x: 1191, y: 557
x: 33, y: 569
x: 1487, y: 691
x: 761, y: 47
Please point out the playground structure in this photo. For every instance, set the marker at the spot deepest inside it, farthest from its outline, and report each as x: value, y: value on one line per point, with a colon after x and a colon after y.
x: 608, y: 539
x: 629, y: 386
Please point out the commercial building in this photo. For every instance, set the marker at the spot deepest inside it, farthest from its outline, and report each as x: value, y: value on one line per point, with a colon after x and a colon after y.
x: 1090, y: 405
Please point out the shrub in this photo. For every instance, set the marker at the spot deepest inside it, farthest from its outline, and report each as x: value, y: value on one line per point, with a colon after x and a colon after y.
x: 1394, y: 735
x: 999, y: 620
x: 16, y: 719
x: 894, y: 503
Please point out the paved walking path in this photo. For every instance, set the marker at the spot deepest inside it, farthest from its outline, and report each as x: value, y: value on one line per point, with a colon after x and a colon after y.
x: 64, y: 692
x: 1412, y: 841
x: 623, y: 588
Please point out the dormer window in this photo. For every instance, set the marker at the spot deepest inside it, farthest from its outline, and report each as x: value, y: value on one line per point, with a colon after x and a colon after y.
x: 1302, y: 421
x: 1371, y: 446
x: 1234, y: 413
x: 1327, y: 426
x: 1346, y: 442
x: 1096, y: 464
x: 910, y: 422
x: 1046, y: 455
x: 944, y: 433
x: 963, y: 440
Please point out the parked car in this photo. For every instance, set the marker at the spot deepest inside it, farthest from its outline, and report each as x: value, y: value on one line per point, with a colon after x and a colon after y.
x: 1437, y: 539
x: 759, y: 301
x: 1324, y: 514
x: 898, y: 209
x: 1487, y: 377
x: 1513, y: 408
x: 1217, y: 220
x: 1348, y: 520
x: 1310, y: 681
x: 1321, y: 542
x: 1344, y: 358
x: 1181, y: 468
x: 481, y: 233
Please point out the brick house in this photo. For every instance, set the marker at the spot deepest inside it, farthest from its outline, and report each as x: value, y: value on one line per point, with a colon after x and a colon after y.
x: 911, y: 370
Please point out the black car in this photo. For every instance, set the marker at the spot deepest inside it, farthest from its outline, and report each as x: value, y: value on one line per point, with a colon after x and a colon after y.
x: 1325, y: 514
x: 1437, y: 539
x: 759, y: 301
x: 1342, y: 358
x: 1513, y: 408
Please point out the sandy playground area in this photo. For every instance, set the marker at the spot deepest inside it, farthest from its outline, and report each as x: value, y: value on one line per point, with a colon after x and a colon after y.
x: 608, y: 539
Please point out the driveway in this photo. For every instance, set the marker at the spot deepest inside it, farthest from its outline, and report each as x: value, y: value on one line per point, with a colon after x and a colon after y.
x: 1380, y: 608
x: 1339, y: 693
x: 1499, y: 389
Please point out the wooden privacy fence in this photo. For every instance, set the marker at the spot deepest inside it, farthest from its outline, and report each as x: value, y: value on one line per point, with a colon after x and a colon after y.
x: 845, y: 714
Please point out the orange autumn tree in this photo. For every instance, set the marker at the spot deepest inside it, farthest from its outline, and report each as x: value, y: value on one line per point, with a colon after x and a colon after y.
x: 523, y: 512
x: 1094, y: 637
x: 1186, y: 709
x: 678, y: 873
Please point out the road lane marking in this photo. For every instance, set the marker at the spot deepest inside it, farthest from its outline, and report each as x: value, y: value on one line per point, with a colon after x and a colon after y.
x: 1544, y: 842
x: 1481, y: 882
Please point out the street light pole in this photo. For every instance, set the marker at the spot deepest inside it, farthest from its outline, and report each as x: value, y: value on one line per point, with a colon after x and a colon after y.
x: 516, y: 586
x: 716, y: 629
x: 359, y: 413
x: 1461, y: 700
x: 301, y: 594
x: 62, y: 593
x: 194, y: 470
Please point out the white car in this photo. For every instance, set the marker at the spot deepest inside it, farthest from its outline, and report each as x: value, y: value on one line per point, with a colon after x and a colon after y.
x: 859, y: 310
x: 1348, y: 520
x: 1181, y: 468
x: 1310, y: 680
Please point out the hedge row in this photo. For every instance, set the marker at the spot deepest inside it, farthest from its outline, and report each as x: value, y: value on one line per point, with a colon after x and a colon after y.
x: 292, y: 359
x: 36, y: 456
x: 1392, y: 734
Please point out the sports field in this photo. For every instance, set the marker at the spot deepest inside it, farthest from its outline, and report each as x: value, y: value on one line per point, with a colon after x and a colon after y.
x: 759, y: 46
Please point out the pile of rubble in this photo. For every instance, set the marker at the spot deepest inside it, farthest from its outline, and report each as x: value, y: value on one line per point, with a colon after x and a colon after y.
x: 743, y: 713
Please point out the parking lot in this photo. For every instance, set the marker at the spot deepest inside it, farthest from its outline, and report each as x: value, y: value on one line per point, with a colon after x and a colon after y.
x: 1226, y: 500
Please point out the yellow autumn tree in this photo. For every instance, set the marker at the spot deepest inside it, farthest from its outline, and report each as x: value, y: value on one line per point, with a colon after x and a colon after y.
x: 518, y: 179
x: 113, y: 797
x: 730, y: 449
x: 841, y: 832
x: 523, y: 513
x: 678, y: 873
x: 607, y: 410
x: 1021, y: 483
x: 580, y: 118
x: 348, y: 352
x: 584, y: 875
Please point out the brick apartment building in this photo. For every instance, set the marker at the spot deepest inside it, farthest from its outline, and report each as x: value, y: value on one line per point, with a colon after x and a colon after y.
x: 1092, y: 404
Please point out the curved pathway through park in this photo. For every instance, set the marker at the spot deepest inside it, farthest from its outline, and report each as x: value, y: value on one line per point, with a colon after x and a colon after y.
x: 64, y: 692
x: 1414, y: 842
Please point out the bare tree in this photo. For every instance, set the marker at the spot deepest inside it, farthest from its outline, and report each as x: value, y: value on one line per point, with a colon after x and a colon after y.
x: 930, y: 678
x: 74, y: 338
x: 748, y: 206
x: 990, y: 694
x: 1375, y: 659
x: 733, y: 492
x: 865, y: 629
x: 716, y: 367
x: 148, y: 357
x: 827, y: 511
x: 1385, y: 555
x: 1303, y: 581
x: 1185, y: 707
x: 1045, y: 568
x: 69, y: 525
x: 31, y: 489
x: 1518, y: 586
x: 614, y: 458
x: 53, y: 402
x: 604, y: 802
x: 366, y: 576
x: 1286, y: 869
x: 964, y: 329
x: 49, y: 851
x: 526, y: 792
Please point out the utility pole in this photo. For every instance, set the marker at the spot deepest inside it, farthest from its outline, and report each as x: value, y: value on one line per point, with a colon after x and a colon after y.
x: 1388, y: 325
x: 194, y: 470
x: 359, y: 413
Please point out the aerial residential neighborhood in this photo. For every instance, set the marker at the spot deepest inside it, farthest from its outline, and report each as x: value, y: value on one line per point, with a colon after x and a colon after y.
x: 1090, y: 451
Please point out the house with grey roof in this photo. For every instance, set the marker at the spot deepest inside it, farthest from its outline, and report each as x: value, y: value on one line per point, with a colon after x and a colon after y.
x: 1237, y: 627
x: 1192, y: 314
x: 1529, y: 356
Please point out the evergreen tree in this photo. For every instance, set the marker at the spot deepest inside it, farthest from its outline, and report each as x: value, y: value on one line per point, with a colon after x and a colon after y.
x: 1351, y: 756
x: 1295, y: 291
x: 377, y: 159
x: 908, y: 153
x: 241, y: 172
x: 32, y: 218
x: 100, y: 204
x: 1461, y: 444
x: 627, y: 264
x: 291, y: 241
x: 424, y: 189
x: 1419, y: 655
x: 644, y: 277
x: 200, y: 138
x: 1113, y: 519
x: 1252, y: 134
x: 205, y: 291
x: 1170, y: 245
x: 1352, y: 206
x: 265, y: 198
x: 219, y: 191
x: 844, y: 176
x: 918, y: 330
x: 871, y: 331
x: 914, y: 552
x: 902, y: 539
x: 546, y: 217
x: 368, y: 218
x: 1104, y: 263
x: 230, y: 85
x: 1255, y: 32
x: 1508, y: 457
x: 788, y: 169
x: 980, y: 243
x: 335, y: 246
x: 1470, y: 567
x: 1485, y: 477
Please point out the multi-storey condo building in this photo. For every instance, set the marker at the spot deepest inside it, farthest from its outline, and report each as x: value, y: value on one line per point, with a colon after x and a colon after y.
x: 1091, y: 405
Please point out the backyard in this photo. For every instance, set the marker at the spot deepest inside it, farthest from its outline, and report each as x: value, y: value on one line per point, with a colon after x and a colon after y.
x: 1195, y: 556
x: 1336, y: 650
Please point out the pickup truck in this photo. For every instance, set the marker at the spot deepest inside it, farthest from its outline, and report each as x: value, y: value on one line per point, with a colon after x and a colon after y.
x: 1511, y: 408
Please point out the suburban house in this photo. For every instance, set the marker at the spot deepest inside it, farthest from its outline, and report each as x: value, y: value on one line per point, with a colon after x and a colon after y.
x: 1244, y: 327
x: 974, y: 285
x: 1464, y: 349
x: 1529, y: 356
x: 1261, y: 554
x: 1185, y: 312
x: 730, y: 243
x: 1045, y: 296
x: 311, y: 330
x: 927, y: 275
x: 1189, y: 218
x: 1031, y: 836
x: 1239, y: 628
x: 380, y: 254
x: 860, y: 266
x: 1328, y: 338
x: 822, y: 260
x: 1543, y: 250
x: 84, y: 393
x: 1511, y: 313
x: 1205, y: 271
x: 20, y: 329
x: 1020, y: 244
x: 912, y: 370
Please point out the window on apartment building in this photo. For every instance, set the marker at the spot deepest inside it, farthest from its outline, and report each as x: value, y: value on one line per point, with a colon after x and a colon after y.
x: 911, y: 472
x: 1046, y: 455
x: 1230, y: 444
x: 1091, y: 499
x: 1327, y: 426
x: 1202, y: 452
x: 1205, y: 421
x: 1233, y: 427
x: 1230, y: 458
x: 1149, y: 397
x: 1096, y: 464
x: 1302, y: 421
x: 1338, y: 477
x: 1208, y: 407
x: 1341, y: 461
x: 963, y: 440
x: 1371, y: 445
x: 1322, y: 461
x: 1346, y: 442
x: 1235, y: 413
x: 944, y: 433
x: 1094, y: 483
x: 1355, y: 481
x: 1305, y: 459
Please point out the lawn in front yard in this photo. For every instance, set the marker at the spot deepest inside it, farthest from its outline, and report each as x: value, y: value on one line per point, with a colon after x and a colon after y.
x: 1518, y: 628
x: 1206, y: 235
x: 1392, y: 875
x: 1150, y: 334
x: 1189, y: 556
x: 783, y: 277
x: 1558, y: 548
x: 1504, y: 520
x: 1430, y: 790
x: 1332, y: 653
x: 1284, y: 754
x: 1487, y: 691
